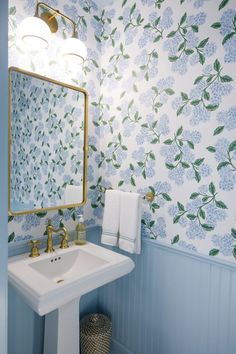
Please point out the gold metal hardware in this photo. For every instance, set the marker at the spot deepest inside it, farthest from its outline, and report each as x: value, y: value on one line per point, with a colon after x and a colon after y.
x: 65, y: 238
x: 34, y: 250
x: 149, y: 196
x: 85, y: 154
x: 50, y: 19
x: 50, y: 231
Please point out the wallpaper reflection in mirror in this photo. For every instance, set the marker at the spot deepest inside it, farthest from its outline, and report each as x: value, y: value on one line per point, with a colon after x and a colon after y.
x: 47, y: 140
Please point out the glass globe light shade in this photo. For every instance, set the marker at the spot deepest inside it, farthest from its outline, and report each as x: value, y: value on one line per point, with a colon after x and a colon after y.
x: 34, y: 33
x: 73, y: 52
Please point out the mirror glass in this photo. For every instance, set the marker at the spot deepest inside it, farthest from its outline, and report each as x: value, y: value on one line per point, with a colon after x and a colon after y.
x: 47, y: 143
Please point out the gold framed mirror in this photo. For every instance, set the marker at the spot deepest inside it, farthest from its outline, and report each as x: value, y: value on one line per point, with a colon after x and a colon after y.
x: 48, y: 144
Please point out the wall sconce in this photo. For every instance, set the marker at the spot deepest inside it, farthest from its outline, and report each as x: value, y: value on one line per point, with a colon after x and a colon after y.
x: 36, y: 33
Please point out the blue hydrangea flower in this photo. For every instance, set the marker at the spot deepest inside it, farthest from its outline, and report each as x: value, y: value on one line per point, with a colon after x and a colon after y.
x: 224, y: 243
x: 30, y: 221
x: 228, y: 118
x: 195, y: 231
x: 187, y: 246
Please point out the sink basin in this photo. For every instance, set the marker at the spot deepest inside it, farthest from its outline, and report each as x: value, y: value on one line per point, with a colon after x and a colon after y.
x: 52, y: 280
x: 52, y: 285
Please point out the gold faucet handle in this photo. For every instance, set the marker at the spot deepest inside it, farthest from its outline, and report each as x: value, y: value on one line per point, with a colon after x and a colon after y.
x: 34, y: 250
x: 64, y: 241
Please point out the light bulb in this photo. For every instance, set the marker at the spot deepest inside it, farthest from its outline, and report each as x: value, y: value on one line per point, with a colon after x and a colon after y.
x: 73, y: 52
x: 34, y: 33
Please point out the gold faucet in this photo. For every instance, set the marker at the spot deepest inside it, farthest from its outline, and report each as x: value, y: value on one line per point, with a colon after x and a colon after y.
x: 50, y: 231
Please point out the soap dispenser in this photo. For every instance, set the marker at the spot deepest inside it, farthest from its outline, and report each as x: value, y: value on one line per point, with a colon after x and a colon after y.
x: 80, y: 238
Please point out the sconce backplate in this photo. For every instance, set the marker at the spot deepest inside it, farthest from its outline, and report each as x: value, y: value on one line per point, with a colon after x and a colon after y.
x: 50, y: 20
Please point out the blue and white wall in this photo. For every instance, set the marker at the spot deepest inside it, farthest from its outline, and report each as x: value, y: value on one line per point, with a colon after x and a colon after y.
x: 161, y: 81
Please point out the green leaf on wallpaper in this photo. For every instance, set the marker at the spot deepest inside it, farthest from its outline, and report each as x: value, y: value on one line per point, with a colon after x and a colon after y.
x: 60, y: 212
x: 181, y: 46
x: 155, y: 206
x: 168, y: 142
x: 202, y: 213
x: 198, y: 79
x: 222, y: 164
x: 223, y: 4
x: 166, y: 197
x: 203, y: 43
x: 206, y: 95
x: 201, y: 58
x: 170, y: 166
x: 152, y: 189
x: 194, y: 28
x: 10, y: 218
x: 12, y: 10
x: 191, y: 216
x: 185, y: 165
x: 216, y: 25
x: 233, y: 233
x: 217, y: 65
x: 234, y: 252
x: 195, y: 102
x: 180, y: 206
x: 171, y: 34
x: 218, y: 130
x: 97, y: 39
x: 227, y: 37
x: 177, y: 157
x: 211, y: 149
x: 173, y: 58
x: 132, y: 181
x: 220, y: 204
x: 184, y: 96
x: 197, y: 176
x: 120, y: 183
x: 175, y: 239
x: 11, y: 237
x: 169, y: 91
x: 180, y: 110
x: 194, y: 195
x: 176, y: 219
x: 207, y: 227
x: 179, y: 131
x: 133, y: 8
x: 212, y: 188
x: 188, y: 51
x: 41, y: 214
x: 183, y: 19
x: 198, y: 162
x: 190, y: 144
x: 226, y: 78
x: 232, y: 146
x: 214, y: 252
x: 212, y: 107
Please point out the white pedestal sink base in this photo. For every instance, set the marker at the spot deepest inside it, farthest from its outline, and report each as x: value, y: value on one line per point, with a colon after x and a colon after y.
x: 61, y: 333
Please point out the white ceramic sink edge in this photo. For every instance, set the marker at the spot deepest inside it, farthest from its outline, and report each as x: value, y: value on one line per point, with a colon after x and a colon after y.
x: 44, y: 295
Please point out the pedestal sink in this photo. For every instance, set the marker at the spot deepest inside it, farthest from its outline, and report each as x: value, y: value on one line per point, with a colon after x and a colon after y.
x: 52, y: 285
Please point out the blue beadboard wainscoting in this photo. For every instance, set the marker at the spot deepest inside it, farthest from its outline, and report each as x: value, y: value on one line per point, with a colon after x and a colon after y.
x: 174, y: 302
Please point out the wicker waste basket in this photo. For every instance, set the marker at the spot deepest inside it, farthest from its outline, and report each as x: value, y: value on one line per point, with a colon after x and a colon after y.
x: 95, y: 334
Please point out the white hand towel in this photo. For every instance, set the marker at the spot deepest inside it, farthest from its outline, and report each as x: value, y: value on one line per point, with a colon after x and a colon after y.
x: 111, y: 218
x: 130, y: 222
x: 73, y: 194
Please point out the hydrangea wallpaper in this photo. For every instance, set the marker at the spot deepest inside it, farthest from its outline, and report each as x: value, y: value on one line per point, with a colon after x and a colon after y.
x: 161, y: 80
x: 47, y: 124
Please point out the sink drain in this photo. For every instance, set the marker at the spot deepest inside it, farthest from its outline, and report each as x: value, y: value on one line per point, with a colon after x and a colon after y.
x: 60, y: 281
